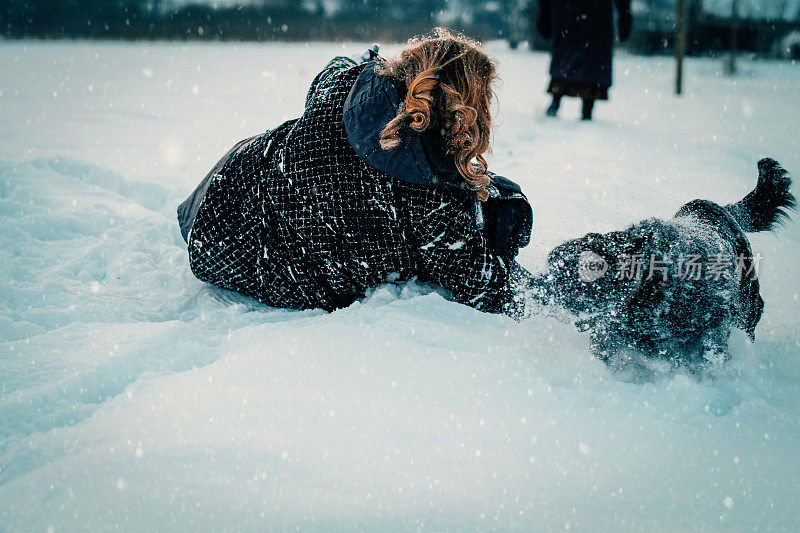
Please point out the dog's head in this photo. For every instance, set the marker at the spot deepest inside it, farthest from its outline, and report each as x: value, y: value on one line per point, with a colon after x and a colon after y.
x: 585, y: 273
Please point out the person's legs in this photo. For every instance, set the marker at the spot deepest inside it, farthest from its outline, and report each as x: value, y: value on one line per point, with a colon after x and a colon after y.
x: 588, y: 105
x: 554, y: 105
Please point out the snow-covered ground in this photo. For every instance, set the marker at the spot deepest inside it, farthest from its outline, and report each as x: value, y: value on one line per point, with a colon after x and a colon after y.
x: 133, y: 396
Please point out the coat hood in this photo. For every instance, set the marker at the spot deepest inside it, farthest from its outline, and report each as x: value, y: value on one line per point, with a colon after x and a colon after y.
x: 372, y: 103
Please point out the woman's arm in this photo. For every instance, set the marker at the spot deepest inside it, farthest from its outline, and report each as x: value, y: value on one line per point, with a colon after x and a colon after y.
x: 448, y: 250
x: 625, y: 19
x: 544, y: 21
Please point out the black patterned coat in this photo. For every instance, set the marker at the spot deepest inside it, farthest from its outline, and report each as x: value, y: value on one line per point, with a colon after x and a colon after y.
x: 295, y: 218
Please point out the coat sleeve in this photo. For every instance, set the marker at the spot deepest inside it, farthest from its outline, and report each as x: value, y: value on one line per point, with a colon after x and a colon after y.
x: 544, y: 20
x: 448, y: 252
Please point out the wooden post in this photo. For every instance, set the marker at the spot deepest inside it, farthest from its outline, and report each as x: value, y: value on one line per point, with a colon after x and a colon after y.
x: 680, y: 45
x: 731, y: 66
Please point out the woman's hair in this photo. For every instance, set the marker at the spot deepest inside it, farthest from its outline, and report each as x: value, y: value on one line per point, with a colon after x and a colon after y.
x: 449, y: 86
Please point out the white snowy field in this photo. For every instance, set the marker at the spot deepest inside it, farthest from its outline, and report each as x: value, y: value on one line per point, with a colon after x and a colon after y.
x: 134, y: 397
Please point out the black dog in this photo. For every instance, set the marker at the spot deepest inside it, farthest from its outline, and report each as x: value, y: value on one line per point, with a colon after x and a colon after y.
x: 670, y: 288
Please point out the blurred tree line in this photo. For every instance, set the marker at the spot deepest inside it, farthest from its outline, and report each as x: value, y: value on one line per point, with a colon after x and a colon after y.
x: 770, y: 27
x: 388, y: 20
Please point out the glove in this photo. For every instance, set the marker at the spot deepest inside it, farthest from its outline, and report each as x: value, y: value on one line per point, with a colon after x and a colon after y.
x: 625, y: 23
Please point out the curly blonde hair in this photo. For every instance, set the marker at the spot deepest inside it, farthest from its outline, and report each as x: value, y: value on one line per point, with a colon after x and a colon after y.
x: 449, y: 86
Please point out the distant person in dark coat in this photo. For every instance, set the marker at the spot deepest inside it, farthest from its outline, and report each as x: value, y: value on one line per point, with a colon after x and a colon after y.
x: 582, y: 48
x: 382, y: 178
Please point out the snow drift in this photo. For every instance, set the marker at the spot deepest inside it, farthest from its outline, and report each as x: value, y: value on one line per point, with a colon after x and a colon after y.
x: 133, y: 396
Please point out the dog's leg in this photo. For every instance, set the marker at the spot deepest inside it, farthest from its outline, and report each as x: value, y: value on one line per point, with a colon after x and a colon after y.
x: 714, y: 345
x: 604, y: 342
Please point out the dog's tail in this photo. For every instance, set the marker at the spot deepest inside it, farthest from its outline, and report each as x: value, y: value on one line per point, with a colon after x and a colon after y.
x: 767, y: 204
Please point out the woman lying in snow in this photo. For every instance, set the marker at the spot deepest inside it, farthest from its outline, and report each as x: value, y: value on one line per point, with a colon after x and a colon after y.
x: 381, y: 178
